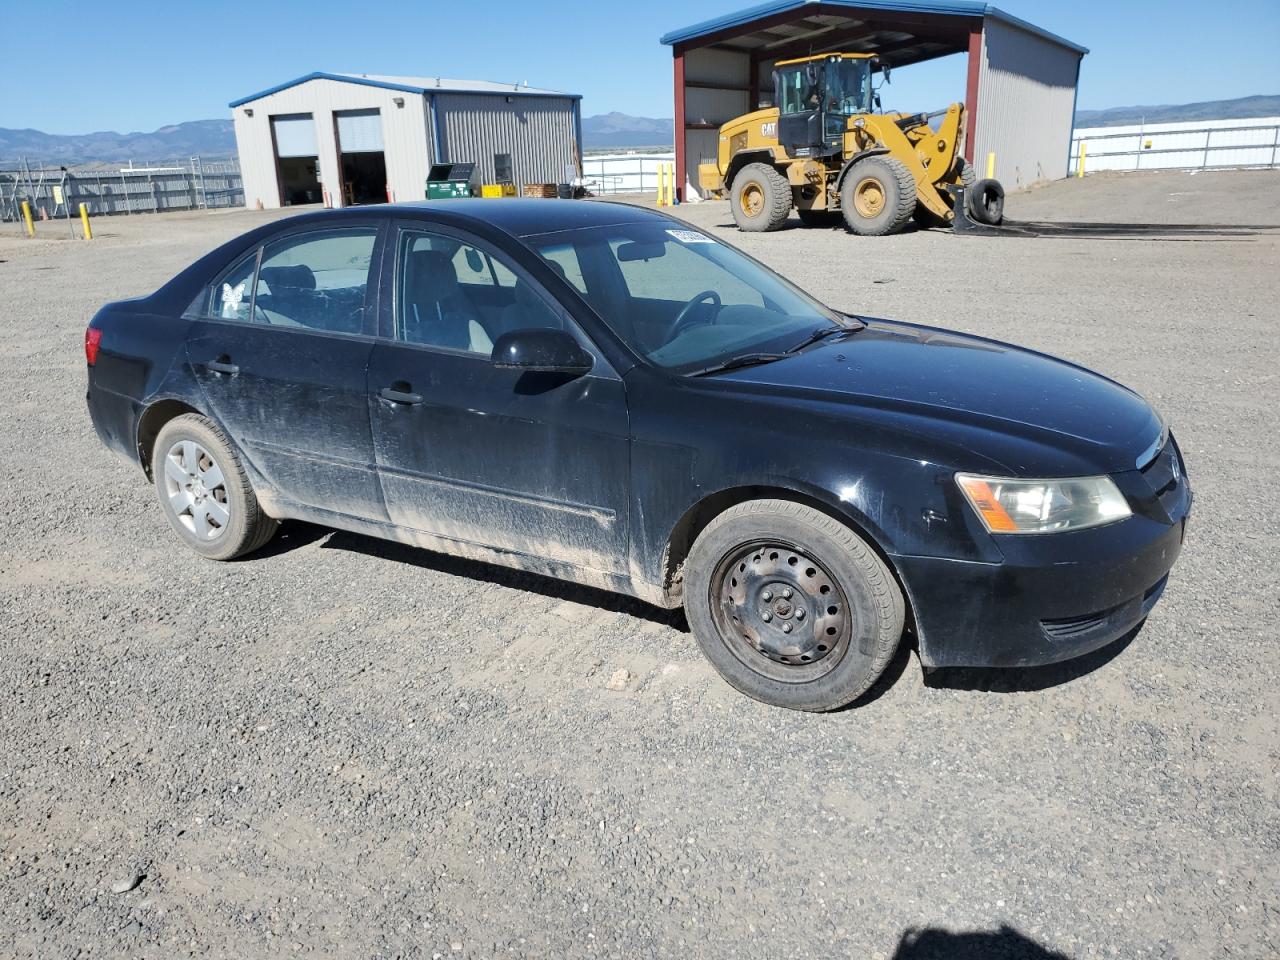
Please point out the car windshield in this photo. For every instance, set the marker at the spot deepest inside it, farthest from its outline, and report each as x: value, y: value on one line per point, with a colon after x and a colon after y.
x: 680, y: 298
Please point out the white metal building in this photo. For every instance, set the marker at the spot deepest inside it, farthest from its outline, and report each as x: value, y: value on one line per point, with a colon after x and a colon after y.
x: 346, y: 139
x: 1019, y: 94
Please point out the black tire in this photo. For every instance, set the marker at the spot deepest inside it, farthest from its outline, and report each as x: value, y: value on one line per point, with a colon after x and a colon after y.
x: 761, y: 198
x: 985, y: 200
x: 736, y: 581
x: 878, y: 196
x: 189, y: 449
x: 820, y: 218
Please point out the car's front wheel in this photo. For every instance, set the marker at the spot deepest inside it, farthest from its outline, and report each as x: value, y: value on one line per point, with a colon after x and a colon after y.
x: 204, y: 491
x: 791, y: 606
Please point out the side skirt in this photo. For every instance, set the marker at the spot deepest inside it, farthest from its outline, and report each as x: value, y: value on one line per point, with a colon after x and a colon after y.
x: 546, y: 566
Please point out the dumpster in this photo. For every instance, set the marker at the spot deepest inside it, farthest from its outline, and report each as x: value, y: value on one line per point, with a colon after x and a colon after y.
x: 446, y: 181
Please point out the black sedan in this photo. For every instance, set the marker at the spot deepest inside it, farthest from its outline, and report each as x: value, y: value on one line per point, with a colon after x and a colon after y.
x: 602, y: 394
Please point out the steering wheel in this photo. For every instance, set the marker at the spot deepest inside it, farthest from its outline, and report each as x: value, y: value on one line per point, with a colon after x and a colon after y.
x: 709, y: 297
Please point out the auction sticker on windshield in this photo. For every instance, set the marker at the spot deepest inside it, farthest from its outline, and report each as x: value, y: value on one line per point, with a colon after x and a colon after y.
x: 689, y: 236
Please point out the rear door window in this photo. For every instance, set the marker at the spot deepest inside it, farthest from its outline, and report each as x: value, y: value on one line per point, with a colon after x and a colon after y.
x: 316, y: 280
x: 233, y: 295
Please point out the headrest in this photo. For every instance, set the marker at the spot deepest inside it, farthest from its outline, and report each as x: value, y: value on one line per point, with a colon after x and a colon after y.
x: 297, y: 277
x: 525, y: 296
x: 431, y: 273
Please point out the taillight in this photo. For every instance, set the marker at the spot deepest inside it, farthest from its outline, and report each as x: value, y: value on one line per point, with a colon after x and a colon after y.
x: 92, y: 340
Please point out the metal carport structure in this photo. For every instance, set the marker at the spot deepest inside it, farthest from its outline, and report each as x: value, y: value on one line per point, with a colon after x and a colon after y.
x: 1020, y: 94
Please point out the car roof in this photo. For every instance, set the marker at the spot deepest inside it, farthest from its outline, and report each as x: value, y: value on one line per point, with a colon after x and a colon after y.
x: 516, y: 216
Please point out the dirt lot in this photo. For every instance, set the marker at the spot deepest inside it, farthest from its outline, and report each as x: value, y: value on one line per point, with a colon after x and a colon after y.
x: 345, y: 748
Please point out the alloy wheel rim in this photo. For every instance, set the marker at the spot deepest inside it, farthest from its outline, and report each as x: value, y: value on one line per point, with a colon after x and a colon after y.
x: 197, y: 490
x: 868, y: 197
x: 780, y: 612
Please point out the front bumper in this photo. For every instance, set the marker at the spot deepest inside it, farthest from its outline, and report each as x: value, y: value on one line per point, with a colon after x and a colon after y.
x: 1054, y: 596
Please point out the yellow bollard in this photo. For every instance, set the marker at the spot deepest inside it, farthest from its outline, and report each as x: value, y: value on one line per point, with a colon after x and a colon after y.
x: 84, y: 219
x: 662, y: 184
x: 26, y: 218
x: 991, y: 165
x: 1084, y: 149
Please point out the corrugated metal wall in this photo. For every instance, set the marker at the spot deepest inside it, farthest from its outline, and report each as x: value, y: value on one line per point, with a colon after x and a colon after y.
x: 538, y: 132
x: 405, y: 136
x: 1026, y: 102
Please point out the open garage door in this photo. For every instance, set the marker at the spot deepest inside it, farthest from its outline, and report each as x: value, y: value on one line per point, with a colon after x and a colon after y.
x: 361, y: 156
x: 297, y: 158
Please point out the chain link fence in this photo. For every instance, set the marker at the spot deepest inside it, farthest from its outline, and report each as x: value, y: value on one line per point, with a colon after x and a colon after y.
x: 54, y: 190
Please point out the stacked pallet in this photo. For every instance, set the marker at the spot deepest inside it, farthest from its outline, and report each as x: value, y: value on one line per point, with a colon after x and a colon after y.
x: 545, y: 190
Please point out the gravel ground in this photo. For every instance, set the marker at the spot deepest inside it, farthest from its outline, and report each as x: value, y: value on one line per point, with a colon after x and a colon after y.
x: 345, y: 748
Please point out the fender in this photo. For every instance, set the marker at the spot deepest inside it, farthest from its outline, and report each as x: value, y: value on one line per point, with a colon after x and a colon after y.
x: 744, y: 157
x: 861, y: 155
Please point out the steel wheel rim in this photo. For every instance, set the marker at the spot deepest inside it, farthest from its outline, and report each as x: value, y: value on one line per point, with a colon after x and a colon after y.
x: 868, y: 197
x: 780, y: 611
x: 197, y: 490
x: 752, y: 199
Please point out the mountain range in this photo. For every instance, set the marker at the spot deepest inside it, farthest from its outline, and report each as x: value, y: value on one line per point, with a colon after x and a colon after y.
x: 207, y: 138
x: 1238, y: 109
x: 214, y: 138
x: 622, y: 130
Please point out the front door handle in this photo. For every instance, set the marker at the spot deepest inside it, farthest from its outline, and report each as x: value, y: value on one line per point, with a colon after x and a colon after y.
x: 400, y: 392
x: 223, y: 365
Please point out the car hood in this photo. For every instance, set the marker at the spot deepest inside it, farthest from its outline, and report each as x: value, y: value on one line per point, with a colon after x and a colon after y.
x: 1023, y: 410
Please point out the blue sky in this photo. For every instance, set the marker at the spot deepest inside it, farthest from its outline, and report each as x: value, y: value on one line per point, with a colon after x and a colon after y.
x: 82, y: 67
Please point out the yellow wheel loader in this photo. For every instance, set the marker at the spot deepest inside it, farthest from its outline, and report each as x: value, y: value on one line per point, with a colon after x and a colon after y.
x: 824, y: 150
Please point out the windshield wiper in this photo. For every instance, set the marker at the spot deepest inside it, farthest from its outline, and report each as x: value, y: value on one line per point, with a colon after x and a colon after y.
x: 733, y: 363
x: 820, y: 334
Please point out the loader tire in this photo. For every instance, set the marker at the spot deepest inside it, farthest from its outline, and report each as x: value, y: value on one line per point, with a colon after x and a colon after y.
x: 761, y: 198
x: 878, y: 196
x: 986, y: 202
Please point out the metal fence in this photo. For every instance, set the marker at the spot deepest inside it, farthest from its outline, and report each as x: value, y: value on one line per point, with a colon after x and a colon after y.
x: 54, y: 191
x: 1203, y: 145
x: 623, y: 173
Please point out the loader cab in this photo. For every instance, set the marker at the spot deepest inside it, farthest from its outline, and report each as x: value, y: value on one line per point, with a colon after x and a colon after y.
x: 816, y: 96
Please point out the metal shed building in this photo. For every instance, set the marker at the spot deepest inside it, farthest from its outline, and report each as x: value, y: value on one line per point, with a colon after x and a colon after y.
x: 1020, y: 93
x: 345, y: 139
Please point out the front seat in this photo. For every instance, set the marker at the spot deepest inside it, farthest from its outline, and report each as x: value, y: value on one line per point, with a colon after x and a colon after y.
x: 436, y: 309
x: 529, y: 311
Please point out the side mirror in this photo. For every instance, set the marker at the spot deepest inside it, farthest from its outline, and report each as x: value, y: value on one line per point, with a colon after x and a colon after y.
x: 541, y: 351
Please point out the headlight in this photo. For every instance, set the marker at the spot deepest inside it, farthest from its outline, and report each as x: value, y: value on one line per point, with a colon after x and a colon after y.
x: 1043, y: 506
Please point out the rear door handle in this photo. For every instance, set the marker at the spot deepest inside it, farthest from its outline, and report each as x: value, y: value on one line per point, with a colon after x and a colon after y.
x: 395, y: 395
x: 223, y: 365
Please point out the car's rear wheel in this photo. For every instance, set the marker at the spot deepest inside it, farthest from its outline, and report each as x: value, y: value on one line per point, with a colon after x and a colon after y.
x: 204, y: 491
x: 791, y: 606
